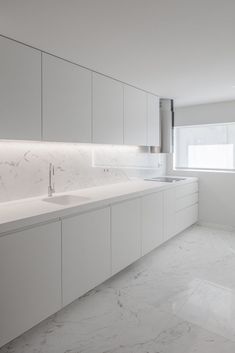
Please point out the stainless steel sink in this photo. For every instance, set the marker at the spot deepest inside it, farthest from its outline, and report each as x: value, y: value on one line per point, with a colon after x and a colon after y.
x: 165, y: 179
x: 66, y: 200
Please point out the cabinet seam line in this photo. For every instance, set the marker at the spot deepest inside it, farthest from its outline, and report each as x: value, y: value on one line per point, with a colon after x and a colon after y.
x: 41, y: 96
x: 61, y: 272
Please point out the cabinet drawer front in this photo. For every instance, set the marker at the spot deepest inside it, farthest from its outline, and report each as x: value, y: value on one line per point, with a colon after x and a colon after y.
x: 186, y: 201
x: 187, y: 189
x: 186, y: 217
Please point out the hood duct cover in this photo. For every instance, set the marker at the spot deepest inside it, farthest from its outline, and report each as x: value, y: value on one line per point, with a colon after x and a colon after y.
x: 167, y: 124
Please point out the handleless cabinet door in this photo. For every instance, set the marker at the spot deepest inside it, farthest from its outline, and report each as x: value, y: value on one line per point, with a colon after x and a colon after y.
x: 30, y: 275
x: 152, y: 222
x: 125, y: 234
x: 85, y: 253
x: 135, y: 116
x: 20, y: 91
x: 153, y: 123
x: 66, y: 101
x: 180, y: 208
x: 107, y: 110
x: 169, y: 213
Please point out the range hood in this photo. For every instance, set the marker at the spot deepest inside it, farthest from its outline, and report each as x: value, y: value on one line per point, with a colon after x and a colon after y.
x: 166, y: 128
x: 167, y: 124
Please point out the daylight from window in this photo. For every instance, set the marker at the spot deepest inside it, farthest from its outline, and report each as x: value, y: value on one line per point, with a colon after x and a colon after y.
x: 209, y: 146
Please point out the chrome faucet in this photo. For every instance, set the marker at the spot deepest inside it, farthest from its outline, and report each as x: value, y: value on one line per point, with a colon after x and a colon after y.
x: 51, y: 186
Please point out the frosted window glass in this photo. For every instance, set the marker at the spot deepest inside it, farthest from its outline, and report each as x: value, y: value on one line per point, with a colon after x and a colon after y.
x: 205, y: 146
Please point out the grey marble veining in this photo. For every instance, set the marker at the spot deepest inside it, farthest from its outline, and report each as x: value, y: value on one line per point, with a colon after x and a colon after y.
x: 24, y: 166
x: 178, y: 299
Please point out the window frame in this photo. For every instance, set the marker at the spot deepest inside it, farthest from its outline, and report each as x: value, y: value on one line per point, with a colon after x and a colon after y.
x: 175, y: 168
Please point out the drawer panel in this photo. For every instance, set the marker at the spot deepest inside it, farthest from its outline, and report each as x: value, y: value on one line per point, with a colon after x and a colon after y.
x: 186, y: 201
x: 186, y: 217
x: 187, y: 189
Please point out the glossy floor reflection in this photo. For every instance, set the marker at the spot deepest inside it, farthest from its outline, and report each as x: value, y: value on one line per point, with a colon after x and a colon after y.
x: 178, y: 299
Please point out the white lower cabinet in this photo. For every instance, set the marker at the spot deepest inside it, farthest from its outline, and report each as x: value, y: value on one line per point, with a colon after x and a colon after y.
x: 39, y: 274
x: 85, y: 253
x: 180, y: 209
x: 30, y: 274
x: 186, y: 217
x: 169, y: 213
x: 152, y: 222
x: 125, y: 233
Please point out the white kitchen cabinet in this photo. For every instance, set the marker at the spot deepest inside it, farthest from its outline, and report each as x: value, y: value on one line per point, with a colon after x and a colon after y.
x: 135, y: 116
x: 107, y: 110
x: 180, y: 208
x: 66, y: 101
x: 30, y: 275
x: 169, y: 213
x: 85, y: 253
x: 125, y: 233
x: 153, y: 120
x: 152, y: 222
x: 20, y: 91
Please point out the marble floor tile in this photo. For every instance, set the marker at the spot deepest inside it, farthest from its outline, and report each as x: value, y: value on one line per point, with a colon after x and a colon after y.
x: 180, y: 298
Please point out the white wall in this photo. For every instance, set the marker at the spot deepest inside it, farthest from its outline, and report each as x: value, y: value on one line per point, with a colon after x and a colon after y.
x: 216, y: 189
x: 205, y: 113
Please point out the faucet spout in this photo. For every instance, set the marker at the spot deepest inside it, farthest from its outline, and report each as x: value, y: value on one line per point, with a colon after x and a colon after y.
x: 51, y: 186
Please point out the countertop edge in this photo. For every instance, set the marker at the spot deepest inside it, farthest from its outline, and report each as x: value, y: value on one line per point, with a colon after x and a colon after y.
x: 70, y: 211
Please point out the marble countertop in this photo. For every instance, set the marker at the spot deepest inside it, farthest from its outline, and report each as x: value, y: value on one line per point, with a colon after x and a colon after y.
x: 15, y: 215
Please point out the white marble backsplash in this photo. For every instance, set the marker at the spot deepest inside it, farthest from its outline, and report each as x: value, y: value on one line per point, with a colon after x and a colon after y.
x: 24, y: 166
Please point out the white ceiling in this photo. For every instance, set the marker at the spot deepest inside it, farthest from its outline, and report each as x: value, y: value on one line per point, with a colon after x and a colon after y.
x: 184, y: 49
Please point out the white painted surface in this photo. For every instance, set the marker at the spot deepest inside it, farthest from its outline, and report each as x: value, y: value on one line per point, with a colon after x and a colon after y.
x: 180, y: 208
x: 14, y: 215
x: 125, y: 233
x: 107, y: 108
x: 30, y: 272
x: 135, y: 116
x: 172, y: 48
x: 186, y: 217
x: 86, y: 260
x: 169, y: 213
x: 20, y: 91
x: 153, y: 120
x: 212, y: 113
x: 152, y: 222
x: 66, y: 101
x: 35, y: 266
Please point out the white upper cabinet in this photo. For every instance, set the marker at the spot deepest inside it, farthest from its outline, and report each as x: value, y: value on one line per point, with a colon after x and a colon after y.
x: 135, y: 116
x: 20, y: 91
x: 66, y: 101
x: 153, y: 122
x: 107, y: 110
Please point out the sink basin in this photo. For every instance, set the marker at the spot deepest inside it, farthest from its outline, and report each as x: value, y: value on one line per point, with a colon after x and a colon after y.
x: 66, y: 200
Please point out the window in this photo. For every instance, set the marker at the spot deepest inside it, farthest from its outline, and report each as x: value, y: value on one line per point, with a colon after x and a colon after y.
x: 205, y: 146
